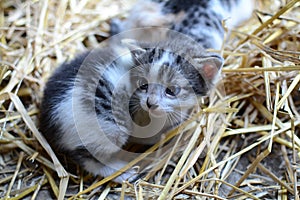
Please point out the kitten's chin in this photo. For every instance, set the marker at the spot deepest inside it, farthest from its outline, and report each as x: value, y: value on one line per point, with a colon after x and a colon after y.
x: 157, y: 113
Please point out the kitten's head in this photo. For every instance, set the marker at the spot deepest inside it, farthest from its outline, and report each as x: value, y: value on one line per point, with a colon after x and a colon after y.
x: 170, y: 76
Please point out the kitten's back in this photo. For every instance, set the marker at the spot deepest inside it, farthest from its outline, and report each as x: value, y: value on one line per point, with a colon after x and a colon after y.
x: 199, y: 19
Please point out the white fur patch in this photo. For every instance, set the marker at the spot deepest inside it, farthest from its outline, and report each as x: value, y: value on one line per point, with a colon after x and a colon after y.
x: 64, y: 117
x: 241, y: 13
x: 237, y: 14
x: 118, y: 75
x: 109, y: 168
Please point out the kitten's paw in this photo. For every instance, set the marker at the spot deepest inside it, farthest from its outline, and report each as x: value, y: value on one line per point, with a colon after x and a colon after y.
x: 110, y: 168
x: 130, y: 176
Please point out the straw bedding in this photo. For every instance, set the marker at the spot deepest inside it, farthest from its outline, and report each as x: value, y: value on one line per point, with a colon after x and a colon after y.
x: 243, y: 144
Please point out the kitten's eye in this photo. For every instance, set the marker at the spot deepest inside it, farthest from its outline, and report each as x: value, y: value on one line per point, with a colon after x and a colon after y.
x: 142, y: 84
x: 173, y: 90
x: 144, y: 87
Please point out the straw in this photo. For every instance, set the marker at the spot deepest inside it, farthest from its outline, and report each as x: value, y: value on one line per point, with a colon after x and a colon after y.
x: 244, y: 143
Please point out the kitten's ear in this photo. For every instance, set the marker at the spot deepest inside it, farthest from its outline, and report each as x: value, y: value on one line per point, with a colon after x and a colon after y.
x: 210, y: 67
x: 134, y: 47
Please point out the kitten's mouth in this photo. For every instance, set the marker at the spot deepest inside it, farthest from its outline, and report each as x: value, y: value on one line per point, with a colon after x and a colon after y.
x: 157, y: 113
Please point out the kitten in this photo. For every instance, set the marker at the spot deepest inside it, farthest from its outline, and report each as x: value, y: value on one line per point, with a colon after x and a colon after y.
x: 199, y: 19
x: 128, y: 92
x: 93, y: 106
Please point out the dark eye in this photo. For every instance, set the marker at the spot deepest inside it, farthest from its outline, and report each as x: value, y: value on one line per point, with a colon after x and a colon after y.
x: 143, y: 84
x: 173, y: 90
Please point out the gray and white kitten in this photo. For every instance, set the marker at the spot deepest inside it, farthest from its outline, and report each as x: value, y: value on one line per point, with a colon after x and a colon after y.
x: 101, y: 100
x: 199, y: 19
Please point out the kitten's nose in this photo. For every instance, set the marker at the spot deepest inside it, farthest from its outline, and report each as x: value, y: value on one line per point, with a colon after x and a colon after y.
x: 151, y: 105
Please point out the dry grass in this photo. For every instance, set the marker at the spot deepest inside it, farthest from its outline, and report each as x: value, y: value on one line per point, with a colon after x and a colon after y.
x: 250, y: 133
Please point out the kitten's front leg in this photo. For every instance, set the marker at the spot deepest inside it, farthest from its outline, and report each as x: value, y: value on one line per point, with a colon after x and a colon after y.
x: 101, y: 148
